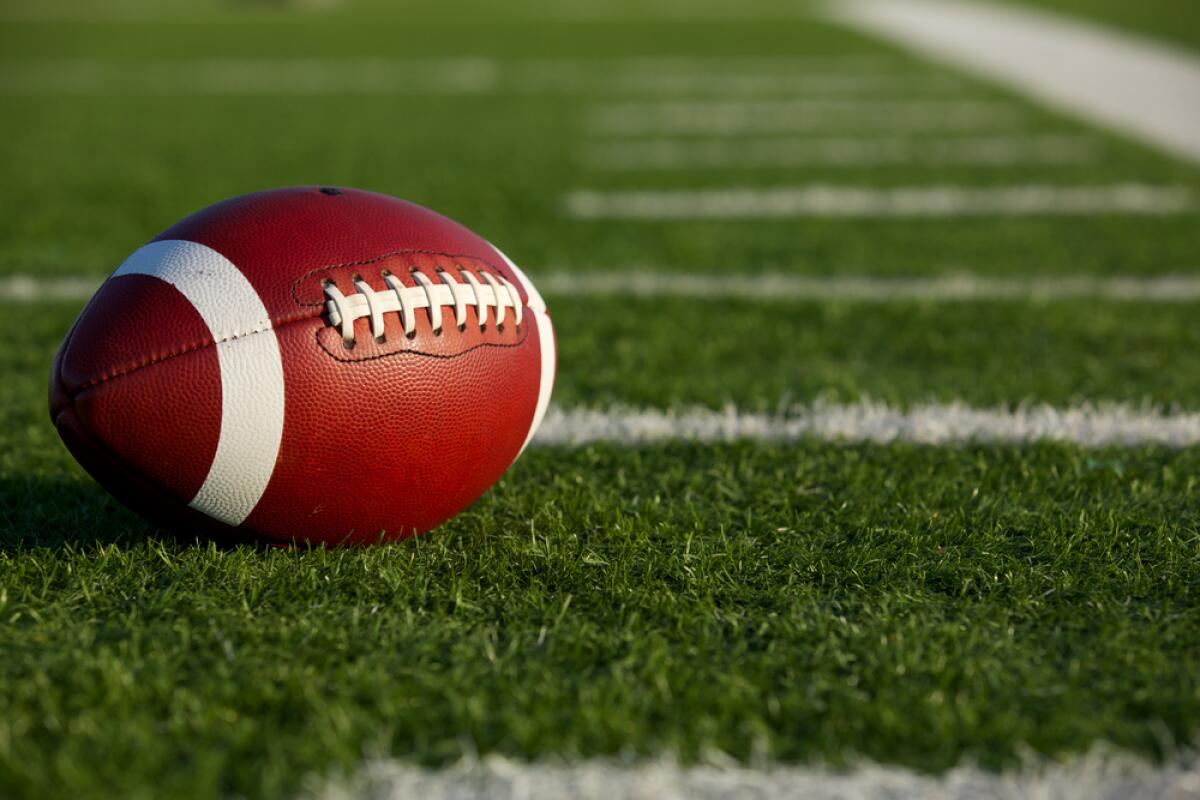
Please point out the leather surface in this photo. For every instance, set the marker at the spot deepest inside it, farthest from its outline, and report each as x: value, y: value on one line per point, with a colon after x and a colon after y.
x: 382, y: 439
x: 450, y: 342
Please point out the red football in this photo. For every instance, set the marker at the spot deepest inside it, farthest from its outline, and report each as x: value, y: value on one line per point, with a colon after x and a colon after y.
x: 306, y: 365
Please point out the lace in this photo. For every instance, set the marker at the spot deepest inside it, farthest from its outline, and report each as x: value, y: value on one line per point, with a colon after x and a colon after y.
x: 492, y: 292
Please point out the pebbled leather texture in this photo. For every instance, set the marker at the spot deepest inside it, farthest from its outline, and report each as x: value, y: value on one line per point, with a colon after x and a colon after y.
x: 380, y: 440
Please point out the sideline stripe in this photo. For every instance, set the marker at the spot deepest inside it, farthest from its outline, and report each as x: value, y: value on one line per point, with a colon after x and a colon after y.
x: 652, y: 282
x: 867, y: 421
x: 904, y: 201
x: 1095, y: 776
x: 773, y: 153
x: 252, y: 391
x: 737, y: 117
x: 1148, y: 90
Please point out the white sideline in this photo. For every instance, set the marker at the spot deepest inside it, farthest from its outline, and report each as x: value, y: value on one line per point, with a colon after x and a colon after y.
x: 867, y: 421
x: 740, y: 117
x: 1145, y: 89
x: 817, y: 200
x: 1089, y: 777
x: 774, y: 153
x: 654, y: 282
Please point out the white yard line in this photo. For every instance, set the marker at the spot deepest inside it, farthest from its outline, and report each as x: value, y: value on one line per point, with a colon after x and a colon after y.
x: 819, y: 76
x: 782, y: 286
x: 906, y: 201
x: 251, y: 76
x: 773, y: 153
x: 27, y: 289
x: 866, y: 421
x: 805, y: 82
x: 1093, y: 777
x: 1137, y: 86
x: 765, y: 286
x: 740, y: 117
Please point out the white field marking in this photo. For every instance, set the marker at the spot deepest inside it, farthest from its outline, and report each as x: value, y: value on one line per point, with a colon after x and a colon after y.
x: 28, y: 289
x: 250, y: 76
x: 712, y: 66
x: 1091, y: 777
x: 1137, y: 86
x: 883, y: 84
x: 772, y: 153
x: 906, y: 201
x: 866, y: 421
x: 252, y: 389
x: 768, y: 286
x: 739, y: 117
x: 819, y: 76
x: 583, y: 13
x: 951, y: 288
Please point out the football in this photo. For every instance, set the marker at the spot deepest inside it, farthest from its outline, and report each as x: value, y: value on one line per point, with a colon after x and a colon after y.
x: 310, y: 364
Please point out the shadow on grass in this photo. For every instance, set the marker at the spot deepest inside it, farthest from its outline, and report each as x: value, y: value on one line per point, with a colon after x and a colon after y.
x: 66, y: 511
x: 74, y: 512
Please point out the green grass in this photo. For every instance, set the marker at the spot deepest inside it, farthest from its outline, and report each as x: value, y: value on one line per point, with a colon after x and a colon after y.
x: 810, y: 602
x: 1176, y: 21
x: 672, y: 352
x: 813, y: 601
x: 117, y: 182
x: 923, y: 605
x: 129, y: 163
x: 676, y: 352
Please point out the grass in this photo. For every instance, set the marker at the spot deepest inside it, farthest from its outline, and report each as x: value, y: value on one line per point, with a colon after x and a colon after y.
x: 806, y: 603
x: 671, y: 352
x: 129, y: 163
x: 923, y: 604
x: 1175, y: 21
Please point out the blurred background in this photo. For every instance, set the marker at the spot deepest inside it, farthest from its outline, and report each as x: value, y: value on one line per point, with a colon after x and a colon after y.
x: 611, y: 140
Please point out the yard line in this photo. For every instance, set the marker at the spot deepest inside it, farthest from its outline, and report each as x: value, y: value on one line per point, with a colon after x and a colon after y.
x: 816, y: 75
x: 768, y: 286
x: 1088, y: 777
x: 850, y: 201
x: 779, y: 286
x: 772, y: 153
x: 867, y: 421
x: 873, y: 62
x: 27, y: 289
x: 883, y: 84
x: 670, y: 75
x: 299, y: 76
x: 737, y: 117
x: 1145, y: 89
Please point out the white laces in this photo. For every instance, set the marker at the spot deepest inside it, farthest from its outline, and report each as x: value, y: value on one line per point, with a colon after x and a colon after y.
x: 493, y: 292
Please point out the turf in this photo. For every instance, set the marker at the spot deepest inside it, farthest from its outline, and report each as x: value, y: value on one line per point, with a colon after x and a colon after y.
x: 1176, y: 21
x: 129, y: 162
x: 809, y: 602
x: 674, y: 352
x: 779, y: 602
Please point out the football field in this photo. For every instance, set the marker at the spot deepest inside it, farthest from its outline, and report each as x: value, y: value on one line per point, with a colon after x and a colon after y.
x: 873, y: 461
